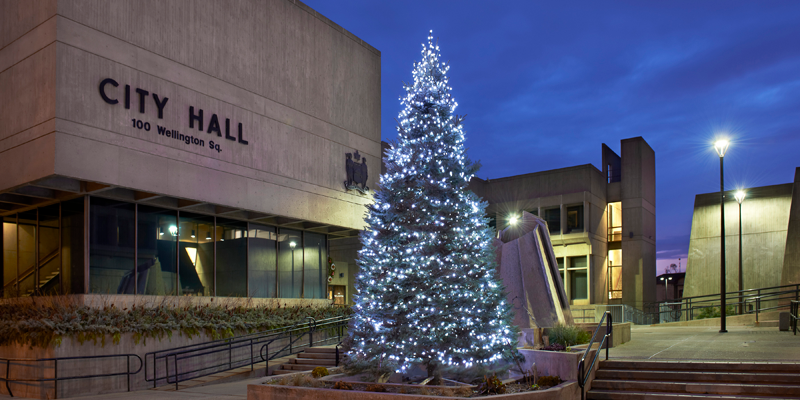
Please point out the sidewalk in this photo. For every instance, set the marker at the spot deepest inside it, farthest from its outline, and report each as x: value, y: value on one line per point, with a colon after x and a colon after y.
x: 741, y: 343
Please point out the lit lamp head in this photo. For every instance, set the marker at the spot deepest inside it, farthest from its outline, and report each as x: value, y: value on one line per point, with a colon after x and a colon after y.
x: 173, y: 230
x: 721, y: 146
x: 740, y: 195
x: 292, y: 244
x: 513, y: 220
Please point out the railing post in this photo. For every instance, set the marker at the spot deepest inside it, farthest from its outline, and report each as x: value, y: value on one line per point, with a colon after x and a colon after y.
x: 230, y: 355
x: 266, y: 362
x: 8, y: 366
x: 128, y: 362
x: 176, y: 372
x: 251, y: 355
x: 55, y: 382
x: 758, y: 305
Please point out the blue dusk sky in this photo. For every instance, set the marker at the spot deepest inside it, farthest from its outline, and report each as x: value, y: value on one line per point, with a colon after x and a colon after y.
x: 544, y: 84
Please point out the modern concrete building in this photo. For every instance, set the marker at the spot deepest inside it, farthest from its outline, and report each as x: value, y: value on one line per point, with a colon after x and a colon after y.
x: 196, y: 148
x: 770, y: 220
x: 601, y: 223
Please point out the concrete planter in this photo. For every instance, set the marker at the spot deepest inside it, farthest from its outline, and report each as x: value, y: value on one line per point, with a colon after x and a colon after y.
x: 564, y: 391
x: 556, y: 363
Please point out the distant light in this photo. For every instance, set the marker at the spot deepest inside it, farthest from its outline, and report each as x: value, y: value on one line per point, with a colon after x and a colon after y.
x: 193, y: 234
x: 292, y: 244
x: 513, y: 220
x: 208, y: 235
x: 173, y: 230
x: 160, y: 231
x: 740, y: 195
x: 721, y: 146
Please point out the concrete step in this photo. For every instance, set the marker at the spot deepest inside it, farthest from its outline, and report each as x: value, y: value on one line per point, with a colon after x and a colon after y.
x: 653, y: 395
x: 325, y: 349
x: 697, y: 388
x: 298, y: 367
x: 692, y: 376
x: 312, y: 361
x: 708, y: 366
x: 319, y: 356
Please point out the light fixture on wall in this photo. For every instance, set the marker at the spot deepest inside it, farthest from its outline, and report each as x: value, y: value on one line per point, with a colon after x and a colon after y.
x: 160, y: 231
x: 208, y: 235
x: 173, y: 230
x: 193, y: 234
x: 292, y: 244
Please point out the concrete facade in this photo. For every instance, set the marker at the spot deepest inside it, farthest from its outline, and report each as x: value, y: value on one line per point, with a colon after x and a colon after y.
x: 285, y: 93
x: 627, y: 182
x: 770, y: 239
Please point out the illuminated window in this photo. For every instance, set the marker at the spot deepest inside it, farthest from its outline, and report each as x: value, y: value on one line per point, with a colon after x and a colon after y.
x: 614, y: 222
x: 575, y: 219
x: 615, y: 274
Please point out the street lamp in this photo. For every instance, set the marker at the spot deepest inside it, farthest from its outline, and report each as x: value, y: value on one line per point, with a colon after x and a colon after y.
x: 721, y: 146
x: 740, y: 195
x: 666, y: 290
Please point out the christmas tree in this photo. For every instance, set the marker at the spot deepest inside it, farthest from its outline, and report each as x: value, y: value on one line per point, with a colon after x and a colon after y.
x: 428, y: 292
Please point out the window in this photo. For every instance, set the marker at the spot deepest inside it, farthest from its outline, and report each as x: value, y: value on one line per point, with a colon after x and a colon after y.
x: 290, y: 264
x: 262, y: 260
x: 156, y: 264
x: 575, y: 219
x: 315, y: 265
x: 553, y: 218
x: 111, y: 246
x: 337, y: 294
x: 615, y: 274
x: 196, y: 255
x: 614, y: 222
x: 10, y: 256
x: 578, y: 278
x: 231, y: 237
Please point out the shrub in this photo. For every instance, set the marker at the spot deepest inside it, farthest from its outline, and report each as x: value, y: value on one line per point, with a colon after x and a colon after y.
x: 555, y: 347
x: 548, y: 380
x: 319, y: 372
x: 713, y: 312
x: 46, y: 320
x: 568, y: 335
x: 491, y: 385
x: 376, y: 388
x: 342, y: 385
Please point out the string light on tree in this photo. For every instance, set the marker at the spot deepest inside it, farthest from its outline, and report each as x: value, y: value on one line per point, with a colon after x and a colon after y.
x: 427, y: 288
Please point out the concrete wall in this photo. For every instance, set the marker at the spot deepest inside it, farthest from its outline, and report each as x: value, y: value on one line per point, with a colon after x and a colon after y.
x: 765, y: 218
x: 638, y: 194
x: 791, y: 259
x: 28, y: 84
x: 305, y: 90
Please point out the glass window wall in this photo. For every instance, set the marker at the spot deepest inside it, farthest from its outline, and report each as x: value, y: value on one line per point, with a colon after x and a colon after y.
x: 49, y: 250
x: 156, y: 264
x: 578, y: 278
x: 231, y: 258
x: 111, y: 246
x: 196, y: 255
x: 262, y: 260
x: 315, y: 263
x: 290, y: 264
x: 26, y: 261
x: 10, y: 256
x: 553, y: 218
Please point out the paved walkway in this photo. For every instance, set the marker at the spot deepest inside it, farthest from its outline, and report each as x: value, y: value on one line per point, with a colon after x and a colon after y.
x: 740, y: 343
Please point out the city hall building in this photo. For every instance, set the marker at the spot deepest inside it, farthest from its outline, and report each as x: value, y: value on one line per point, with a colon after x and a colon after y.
x: 187, y: 148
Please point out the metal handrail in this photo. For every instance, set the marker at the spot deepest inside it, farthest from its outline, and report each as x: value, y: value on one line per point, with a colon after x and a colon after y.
x: 794, y: 314
x: 741, y: 298
x: 264, y: 351
x: 172, y: 357
x: 218, y: 345
x: 56, y: 378
x: 582, y: 375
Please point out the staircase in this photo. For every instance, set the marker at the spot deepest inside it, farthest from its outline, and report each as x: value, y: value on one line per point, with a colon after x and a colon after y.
x: 657, y: 380
x: 309, y: 359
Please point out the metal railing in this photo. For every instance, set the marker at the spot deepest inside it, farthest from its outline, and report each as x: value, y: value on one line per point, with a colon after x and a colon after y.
x: 296, y: 335
x: 583, y: 376
x: 794, y: 314
x: 749, y: 301
x: 621, y: 312
x: 55, y: 379
x: 203, y: 359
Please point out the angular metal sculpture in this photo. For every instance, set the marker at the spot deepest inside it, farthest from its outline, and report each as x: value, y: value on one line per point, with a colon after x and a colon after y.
x: 527, y: 265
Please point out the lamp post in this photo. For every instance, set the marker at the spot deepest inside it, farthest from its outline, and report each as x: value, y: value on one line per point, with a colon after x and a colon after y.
x: 740, y: 195
x: 666, y: 290
x: 292, y: 244
x: 721, y: 146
